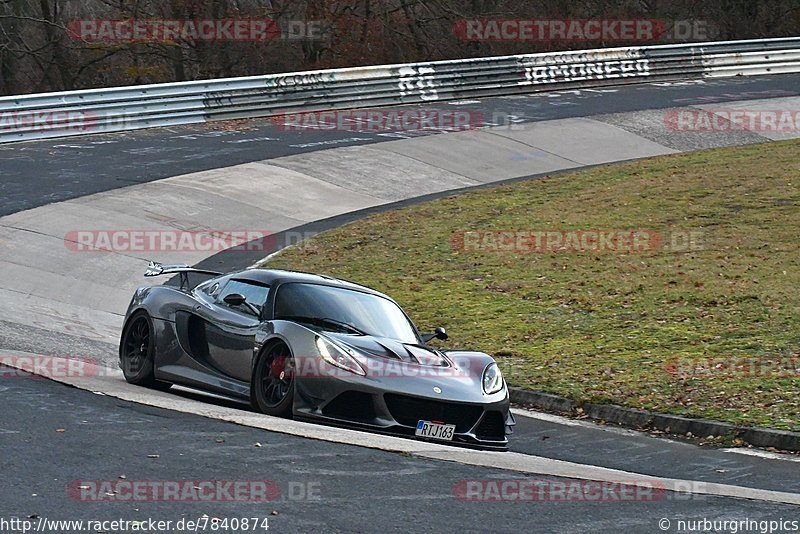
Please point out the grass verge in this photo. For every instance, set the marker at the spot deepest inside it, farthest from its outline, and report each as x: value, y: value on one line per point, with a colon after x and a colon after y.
x: 704, y: 331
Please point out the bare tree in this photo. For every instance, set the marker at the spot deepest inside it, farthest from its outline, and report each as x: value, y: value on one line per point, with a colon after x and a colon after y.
x: 39, y: 52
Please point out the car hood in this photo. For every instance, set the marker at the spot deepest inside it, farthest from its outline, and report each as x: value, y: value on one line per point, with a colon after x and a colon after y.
x: 381, y: 347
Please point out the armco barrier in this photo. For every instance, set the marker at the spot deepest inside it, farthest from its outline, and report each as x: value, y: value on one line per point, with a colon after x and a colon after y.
x: 128, y: 108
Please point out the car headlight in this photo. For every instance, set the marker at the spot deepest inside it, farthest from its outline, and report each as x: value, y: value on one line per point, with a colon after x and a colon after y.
x: 492, y: 379
x: 337, y: 356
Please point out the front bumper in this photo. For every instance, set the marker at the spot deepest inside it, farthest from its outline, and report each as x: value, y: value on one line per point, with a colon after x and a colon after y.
x: 485, y: 425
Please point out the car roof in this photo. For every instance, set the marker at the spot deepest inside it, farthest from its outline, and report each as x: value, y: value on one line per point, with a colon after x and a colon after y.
x: 274, y: 277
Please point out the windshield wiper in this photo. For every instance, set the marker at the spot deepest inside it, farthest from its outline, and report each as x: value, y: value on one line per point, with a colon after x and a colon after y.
x: 345, y: 326
x: 323, y: 322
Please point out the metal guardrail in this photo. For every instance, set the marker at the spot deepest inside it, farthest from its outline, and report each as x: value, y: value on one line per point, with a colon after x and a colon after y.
x: 40, y: 116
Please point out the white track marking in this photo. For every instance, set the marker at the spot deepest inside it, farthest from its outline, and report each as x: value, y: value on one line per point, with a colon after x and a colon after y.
x: 764, y: 454
x: 550, y: 418
x: 566, y: 421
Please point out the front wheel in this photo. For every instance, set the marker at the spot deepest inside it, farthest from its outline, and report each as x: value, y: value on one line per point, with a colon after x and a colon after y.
x: 272, y: 388
x: 137, y: 352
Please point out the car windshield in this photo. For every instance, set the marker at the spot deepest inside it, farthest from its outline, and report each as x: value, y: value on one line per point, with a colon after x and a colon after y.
x: 345, y: 310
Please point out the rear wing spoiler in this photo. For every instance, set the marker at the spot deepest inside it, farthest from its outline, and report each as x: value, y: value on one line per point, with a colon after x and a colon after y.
x: 156, y: 269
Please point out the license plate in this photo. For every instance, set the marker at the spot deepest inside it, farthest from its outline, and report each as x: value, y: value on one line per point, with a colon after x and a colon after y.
x: 429, y: 429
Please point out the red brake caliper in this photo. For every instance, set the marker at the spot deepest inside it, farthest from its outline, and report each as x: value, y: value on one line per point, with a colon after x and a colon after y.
x: 278, y: 368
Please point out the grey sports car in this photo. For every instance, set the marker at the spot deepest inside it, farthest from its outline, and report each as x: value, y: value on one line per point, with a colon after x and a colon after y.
x: 313, y: 348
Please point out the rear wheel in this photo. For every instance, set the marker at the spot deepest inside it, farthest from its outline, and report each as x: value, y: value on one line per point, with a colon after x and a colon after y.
x: 137, y: 352
x: 272, y: 388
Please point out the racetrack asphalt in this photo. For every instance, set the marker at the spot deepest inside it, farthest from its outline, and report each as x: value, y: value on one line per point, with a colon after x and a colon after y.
x: 40, y: 172
x: 81, y: 441
x: 36, y: 174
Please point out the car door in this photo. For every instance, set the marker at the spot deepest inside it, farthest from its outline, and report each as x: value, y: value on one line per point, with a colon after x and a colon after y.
x: 230, y: 330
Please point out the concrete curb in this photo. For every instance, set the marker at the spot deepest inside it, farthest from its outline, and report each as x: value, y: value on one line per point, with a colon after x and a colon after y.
x: 646, y: 420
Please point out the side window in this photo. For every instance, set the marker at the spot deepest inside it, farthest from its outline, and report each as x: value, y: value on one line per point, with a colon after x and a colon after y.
x: 255, y: 294
x: 212, y: 290
x: 212, y: 287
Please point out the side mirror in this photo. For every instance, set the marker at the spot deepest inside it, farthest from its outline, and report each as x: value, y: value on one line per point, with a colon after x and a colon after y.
x: 234, y: 299
x: 439, y: 333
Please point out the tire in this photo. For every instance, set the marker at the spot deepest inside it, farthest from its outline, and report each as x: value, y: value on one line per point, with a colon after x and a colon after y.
x: 273, y: 385
x: 137, y: 352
